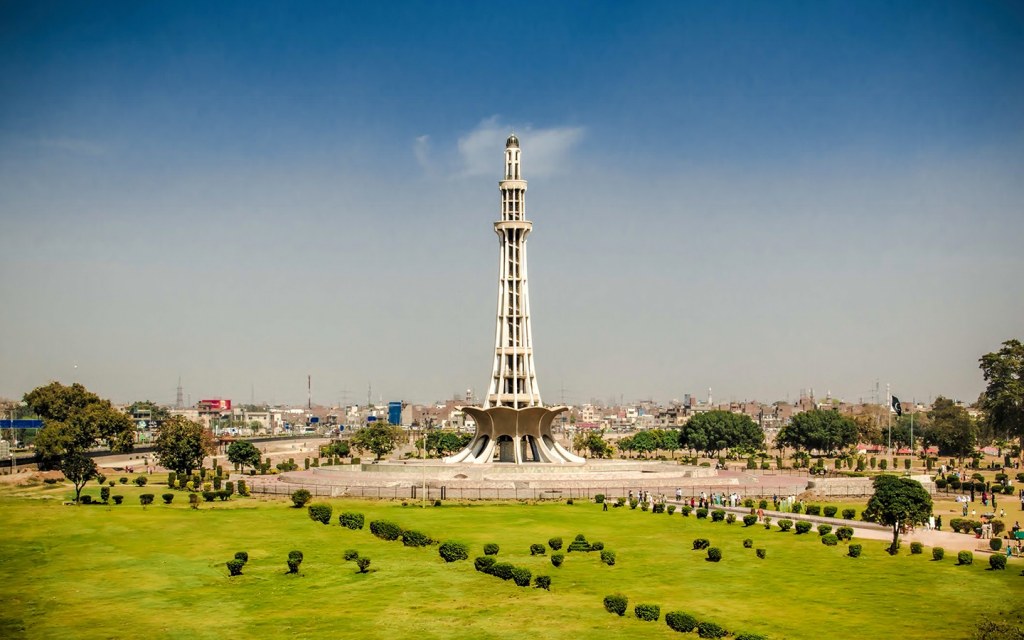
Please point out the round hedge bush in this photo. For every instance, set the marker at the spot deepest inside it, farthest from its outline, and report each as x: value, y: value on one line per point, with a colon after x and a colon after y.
x: 416, y: 539
x: 803, y: 526
x: 235, y: 567
x: 761, y: 553
x: 749, y: 520
x: 555, y: 543
x: 350, y: 554
x: 452, y: 551
x: 824, y: 529
x: 521, y: 576
x: 748, y: 544
x: 785, y: 524
x: 938, y: 553
x: 557, y: 559
x: 616, y: 603
x: 608, y: 557
x: 854, y: 551
x: 542, y: 582
x: 916, y: 548
x: 490, y: 549
x: 647, y: 612
x: 701, y: 543
x: 385, y: 529
x: 680, y: 621
x: 829, y: 540
x: 483, y: 564
x: 351, y: 520
x: 714, y: 554
x: 710, y: 630
x: 965, y: 557
x: 320, y: 512
x: 997, y: 561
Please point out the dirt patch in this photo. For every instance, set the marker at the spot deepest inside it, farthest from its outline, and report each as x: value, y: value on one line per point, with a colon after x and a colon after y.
x: 31, y: 477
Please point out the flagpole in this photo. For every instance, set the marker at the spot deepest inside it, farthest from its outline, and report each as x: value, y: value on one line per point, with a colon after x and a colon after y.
x: 888, y: 414
x: 912, y: 430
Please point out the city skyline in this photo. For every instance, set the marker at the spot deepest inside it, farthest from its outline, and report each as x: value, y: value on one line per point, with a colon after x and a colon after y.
x: 756, y: 199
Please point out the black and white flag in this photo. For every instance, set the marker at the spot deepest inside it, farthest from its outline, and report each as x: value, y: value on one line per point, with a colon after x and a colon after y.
x: 896, y: 406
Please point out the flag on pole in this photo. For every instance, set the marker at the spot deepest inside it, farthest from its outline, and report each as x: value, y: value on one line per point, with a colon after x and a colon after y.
x: 896, y: 406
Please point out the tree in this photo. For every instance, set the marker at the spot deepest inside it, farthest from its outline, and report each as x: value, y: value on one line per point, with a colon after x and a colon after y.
x: 79, y: 469
x: 74, y: 421
x: 594, y: 442
x: 338, y: 448
x: 158, y: 414
x: 822, y: 430
x: 244, y: 454
x: 379, y: 437
x: 716, y: 431
x: 951, y: 429
x: 182, y: 444
x: 1003, y: 400
x: 898, y: 501
x: 443, y: 442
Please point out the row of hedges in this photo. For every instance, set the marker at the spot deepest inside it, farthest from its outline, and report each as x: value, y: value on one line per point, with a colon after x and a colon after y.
x: 676, y: 620
x: 508, y: 571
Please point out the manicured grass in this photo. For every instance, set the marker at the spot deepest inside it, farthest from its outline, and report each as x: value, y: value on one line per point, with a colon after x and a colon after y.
x: 117, y: 571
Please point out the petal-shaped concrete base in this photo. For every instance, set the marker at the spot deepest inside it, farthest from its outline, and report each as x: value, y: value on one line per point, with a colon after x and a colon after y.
x: 519, y: 435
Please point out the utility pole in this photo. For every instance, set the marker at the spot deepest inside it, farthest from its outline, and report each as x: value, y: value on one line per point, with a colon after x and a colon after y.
x: 888, y: 414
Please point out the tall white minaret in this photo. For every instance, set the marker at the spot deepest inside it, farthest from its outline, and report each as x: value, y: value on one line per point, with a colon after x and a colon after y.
x: 513, y: 377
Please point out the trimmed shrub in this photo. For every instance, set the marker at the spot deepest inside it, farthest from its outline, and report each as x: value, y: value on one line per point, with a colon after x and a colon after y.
x: 542, y: 582
x: 521, y: 576
x: 813, y: 510
x: 452, y: 551
x: 633, y: 503
x: 998, y: 527
x: 557, y: 559
x: 680, y: 621
x: 762, y: 503
x: 761, y: 553
x: 300, y: 497
x: 209, y: 496
x: 320, y: 512
x: 140, y: 481
x: 849, y: 514
x: 363, y: 564
x: 146, y: 498
x: 171, y: 478
x: 659, y: 507
x: 731, y: 518
x: 105, y: 494
x: 537, y: 549
x: 916, y: 548
x: 710, y: 630
x: 749, y: 502
x: 648, y: 612
x: 193, y: 500
x: 579, y: 544
x: 714, y: 554
x: 997, y: 562
x: 671, y: 509
x: 123, y: 480
x: 490, y: 549
x: 555, y: 543
x: 223, y: 494
x: 748, y: 544
x: 785, y: 524
x: 824, y: 529
x: 599, y: 498
x: 829, y: 540
x: 717, y: 515
x: 685, y: 510
x: 596, y: 546
x: 483, y: 564
x: 938, y: 553
x: 351, y: 520
x: 295, y: 555
x: 854, y: 551
x: 965, y: 557
x: 750, y: 636
x: 229, y: 487
x: 168, y: 497
x: 242, y: 555
x: 701, y: 543
x: 802, y: 526
x: 616, y: 603
x: 749, y: 521
x: 830, y: 512
x: 502, y: 570
x: 702, y: 512
x: 85, y: 499
x: 995, y: 544
x: 412, y: 538
x: 235, y: 567
x: 767, y: 522
x: 243, y: 489
x: 608, y: 557
x: 844, y: 533
x: 117, y: 499
x: 293, y: 565
x: 350, y: 554
x: 385, y: 529
x: 797, y: 508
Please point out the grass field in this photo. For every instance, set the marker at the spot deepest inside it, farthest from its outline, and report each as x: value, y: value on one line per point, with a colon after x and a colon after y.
x: 121, y: 571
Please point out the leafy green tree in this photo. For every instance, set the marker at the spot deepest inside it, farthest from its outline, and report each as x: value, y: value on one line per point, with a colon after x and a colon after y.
x: 182, y: 444
x: 158, y: 413
x: 625, y: 444
x: 712, y: 432
x: 898, y: 501
x: 1003, y: 400
x: 645, y: 442
x: 338, y: 448
x: 244, y: 454
x: 822, y: 430
x: 379, y: 437
x: 74, y: 421
x: 951, y: 429
x: 444, y: 442
x: 594, y: 442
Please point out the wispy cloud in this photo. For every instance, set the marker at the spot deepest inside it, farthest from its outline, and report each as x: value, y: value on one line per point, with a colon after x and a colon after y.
x: 545, y: 150
x: 73, y: 145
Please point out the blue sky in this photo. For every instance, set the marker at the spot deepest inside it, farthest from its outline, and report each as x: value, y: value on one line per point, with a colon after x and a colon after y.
x: 754, y: 197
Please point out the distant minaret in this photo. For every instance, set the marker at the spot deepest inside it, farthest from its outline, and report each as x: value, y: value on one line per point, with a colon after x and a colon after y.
x: 513, y: 377
x: 179, y: 402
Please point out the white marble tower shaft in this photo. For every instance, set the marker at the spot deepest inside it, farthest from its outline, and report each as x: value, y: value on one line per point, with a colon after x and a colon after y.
x: 513, y: 377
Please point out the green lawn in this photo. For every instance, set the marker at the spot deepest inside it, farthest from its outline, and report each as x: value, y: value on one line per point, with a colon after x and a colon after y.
x: 121, y: 571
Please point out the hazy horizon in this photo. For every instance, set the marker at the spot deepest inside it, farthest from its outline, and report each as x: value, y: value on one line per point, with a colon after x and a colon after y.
x: 754, y: 198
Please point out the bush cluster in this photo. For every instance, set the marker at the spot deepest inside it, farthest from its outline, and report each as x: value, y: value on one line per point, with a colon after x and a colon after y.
x: 385, y: 529
x: 685, y: 510
x: 616, y: 603
x: 680, y: 621
x: 599, y: 498
x: 451, y: 551
x: 363, y: 563
x: 351, y: 520
x: 484, y: 563
x: 168, y: 497
x: 235, y: 567
x: 647, y: 612
x: 608, y: 557
x: 320, y: 512
x: 711, y: 630
x: 117, y: 499
x: 542, y: 582
x: 350, y: 554
x: 412, y: 538
x: 507, y: 571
